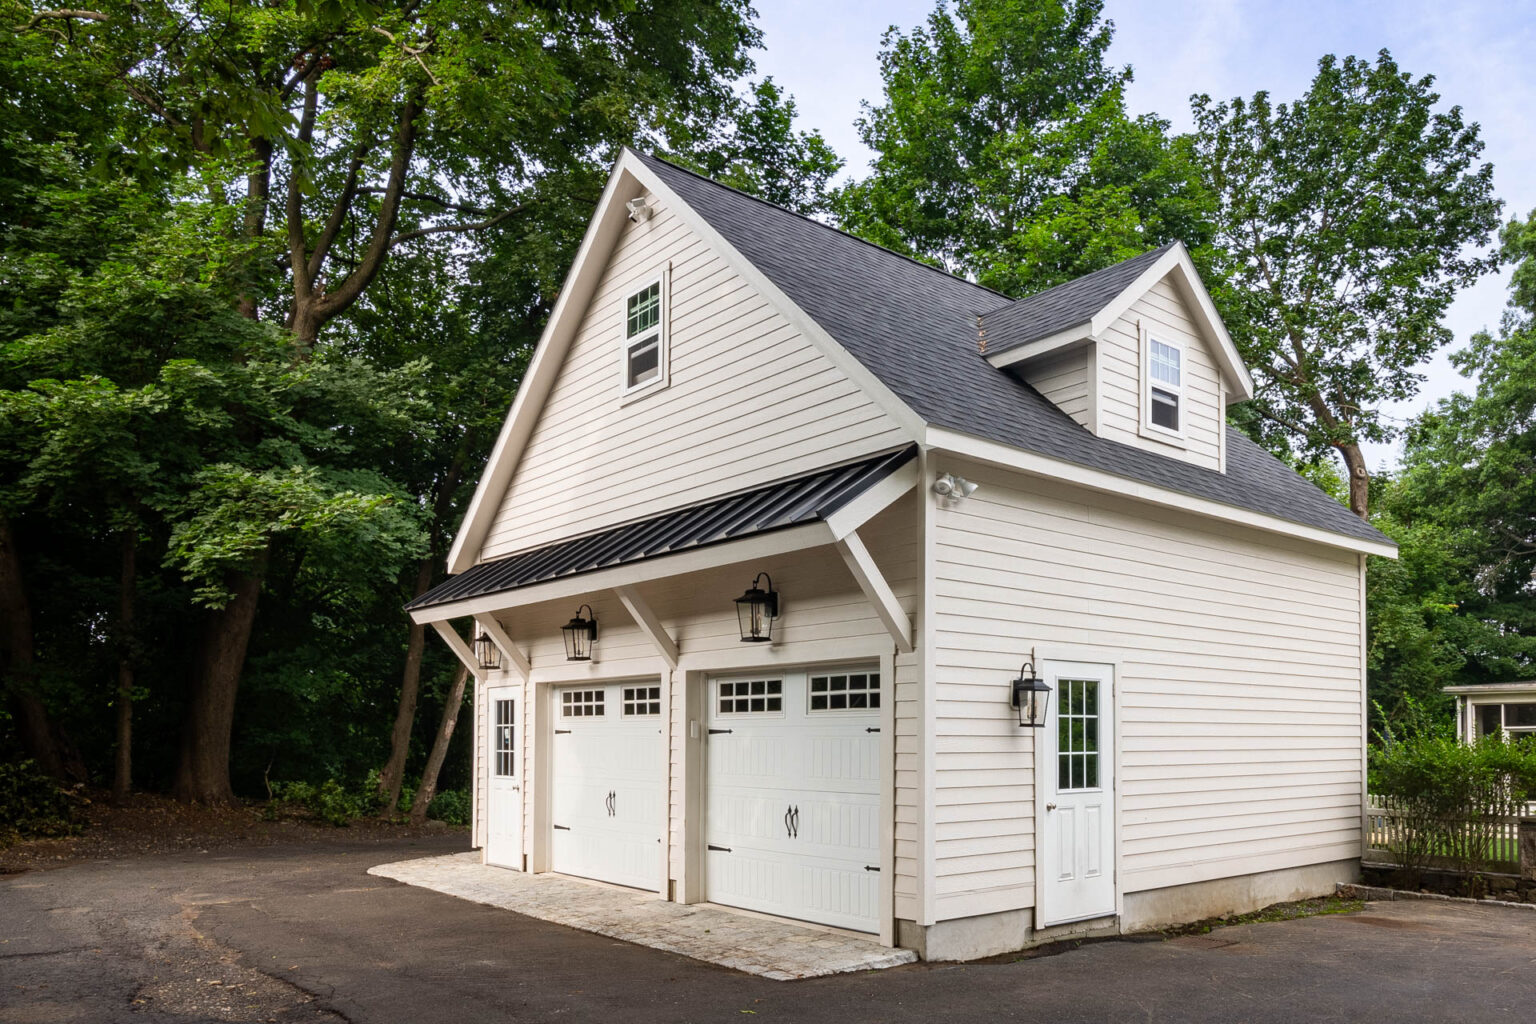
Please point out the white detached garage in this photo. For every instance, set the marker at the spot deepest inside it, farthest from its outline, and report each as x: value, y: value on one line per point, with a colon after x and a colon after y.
x: 809, y: 580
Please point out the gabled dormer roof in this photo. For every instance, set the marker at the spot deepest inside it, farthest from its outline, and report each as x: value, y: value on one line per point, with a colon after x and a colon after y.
x: 1081, y: 310
x: 906, y: 333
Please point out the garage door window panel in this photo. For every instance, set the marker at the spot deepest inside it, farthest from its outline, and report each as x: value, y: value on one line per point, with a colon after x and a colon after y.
x: 856, y: 691
x: 750, y: 696
x: 582, y: 704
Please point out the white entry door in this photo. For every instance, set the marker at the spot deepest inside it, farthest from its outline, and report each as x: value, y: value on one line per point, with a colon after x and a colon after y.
x: 504, y: 796
x: 608, y: 783
x: 792, y: 795
x: 1076, y: 832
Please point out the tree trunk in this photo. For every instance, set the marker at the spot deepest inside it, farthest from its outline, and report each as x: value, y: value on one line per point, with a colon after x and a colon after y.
x: 1359, y: 479
x: 393, y: 774
x: 202, y: 776
x: 122, y: 774
x: 428, y: 788
x: 17, y: 662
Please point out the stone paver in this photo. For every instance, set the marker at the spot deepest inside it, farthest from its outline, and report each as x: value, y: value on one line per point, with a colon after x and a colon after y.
x: 771, y: 949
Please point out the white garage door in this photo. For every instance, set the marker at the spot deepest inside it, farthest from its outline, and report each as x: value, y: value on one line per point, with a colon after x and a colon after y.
x: 608, y: 783
x: 792, y: 818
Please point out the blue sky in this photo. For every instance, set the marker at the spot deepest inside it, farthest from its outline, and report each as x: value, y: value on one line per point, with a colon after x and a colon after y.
x: 1479, y: 51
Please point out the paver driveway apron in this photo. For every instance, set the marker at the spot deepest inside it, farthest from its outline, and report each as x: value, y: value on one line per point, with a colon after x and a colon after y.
x: 770, y: 948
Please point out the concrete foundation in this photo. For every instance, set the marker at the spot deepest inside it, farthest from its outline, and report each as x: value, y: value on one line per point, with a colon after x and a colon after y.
x: 971, y: 938
x: 1180, y: 904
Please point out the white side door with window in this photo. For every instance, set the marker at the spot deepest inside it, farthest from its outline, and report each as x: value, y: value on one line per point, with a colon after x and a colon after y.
x: 1076, y: 832
x: 504, y: 808
x: 792, y: 795
x: 608, y: 783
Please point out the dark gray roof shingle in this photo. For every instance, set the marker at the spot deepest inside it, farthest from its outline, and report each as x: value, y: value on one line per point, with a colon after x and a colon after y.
x: 808, y: 498
x: 914, y: 327
x: 1066, y: 305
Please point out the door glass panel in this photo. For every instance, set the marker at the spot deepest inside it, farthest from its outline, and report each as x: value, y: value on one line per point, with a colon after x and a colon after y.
x: 505, y: 738
x: 1077, y: 735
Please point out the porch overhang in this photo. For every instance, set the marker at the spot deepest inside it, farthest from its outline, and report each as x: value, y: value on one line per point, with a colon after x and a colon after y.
x: 816, y: 509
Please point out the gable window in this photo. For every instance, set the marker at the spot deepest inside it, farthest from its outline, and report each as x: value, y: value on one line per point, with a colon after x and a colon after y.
x: 1164, y: 396
x: 645, y: 345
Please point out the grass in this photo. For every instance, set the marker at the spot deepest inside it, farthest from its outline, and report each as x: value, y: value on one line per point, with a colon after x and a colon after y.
x: 1318, y: 907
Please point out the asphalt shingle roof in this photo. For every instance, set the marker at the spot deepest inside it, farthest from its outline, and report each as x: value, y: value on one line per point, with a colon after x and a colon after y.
x: 914, y: 327
x: 1066, y: 305
x: 808, y: 498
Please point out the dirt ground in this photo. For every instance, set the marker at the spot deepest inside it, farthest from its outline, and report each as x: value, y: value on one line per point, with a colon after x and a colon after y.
x: 151, y: 824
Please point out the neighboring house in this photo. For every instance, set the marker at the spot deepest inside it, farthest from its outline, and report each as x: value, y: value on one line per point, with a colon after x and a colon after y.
x: 1492, y: 708
x: 726, y: 389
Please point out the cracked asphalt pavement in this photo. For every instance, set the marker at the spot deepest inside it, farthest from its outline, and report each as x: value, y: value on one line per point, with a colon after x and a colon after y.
x: 301, y: 933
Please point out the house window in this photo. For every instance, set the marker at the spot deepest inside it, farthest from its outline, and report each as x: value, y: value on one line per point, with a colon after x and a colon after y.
x: 853, y: 691
x: 1165, y: 386
x: 645, y: 351
x: 581, y: 703
x: 1517, y: 719
x: 505, y: 739
x: 748, y: 696
x: 642, y: 700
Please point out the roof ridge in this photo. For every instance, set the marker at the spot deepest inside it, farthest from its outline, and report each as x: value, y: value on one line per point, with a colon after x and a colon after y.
x: 829, y: 227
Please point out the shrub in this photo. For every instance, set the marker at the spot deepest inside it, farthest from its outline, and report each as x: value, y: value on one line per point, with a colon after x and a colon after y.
x: 330, y: 801
x: 1443, y: 795
x: 452, y: 806
x: 32, y: 805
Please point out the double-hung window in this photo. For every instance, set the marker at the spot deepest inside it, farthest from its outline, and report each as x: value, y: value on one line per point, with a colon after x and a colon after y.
x: 1164, y: 396
x: 645, y: 343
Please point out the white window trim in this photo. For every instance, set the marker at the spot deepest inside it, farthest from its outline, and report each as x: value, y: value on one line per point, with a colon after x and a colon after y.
x: 714, y: 696
x: 1148, y: 428
x: 663, y: 340
x: 856, y: 671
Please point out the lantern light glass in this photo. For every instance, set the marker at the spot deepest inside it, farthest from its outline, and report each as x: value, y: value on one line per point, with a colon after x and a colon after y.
x: 756, y: 610
x: 580, y: 634
x: 486, y: 652
x: 1030, y: 696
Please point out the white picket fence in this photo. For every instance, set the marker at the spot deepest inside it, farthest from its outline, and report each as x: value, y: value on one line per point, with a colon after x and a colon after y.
x: 1481, y: 844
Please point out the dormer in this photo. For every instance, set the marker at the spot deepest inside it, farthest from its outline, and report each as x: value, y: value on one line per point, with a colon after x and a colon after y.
x: 1135, y: 353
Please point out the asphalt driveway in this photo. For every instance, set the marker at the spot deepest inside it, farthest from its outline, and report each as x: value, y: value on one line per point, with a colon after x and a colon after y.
x: 302, y: 933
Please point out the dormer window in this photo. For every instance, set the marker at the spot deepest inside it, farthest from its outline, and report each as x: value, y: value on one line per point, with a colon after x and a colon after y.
x: 645, y: 343
x: 1164, y: 395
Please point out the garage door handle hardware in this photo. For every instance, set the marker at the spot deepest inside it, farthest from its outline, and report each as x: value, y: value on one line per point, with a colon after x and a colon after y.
x: 563, y: 828
x: 562, y: 732
x: 872, y: 729
x: 788, y: 829
x: 716, y: 732
x: 719, y: 849
x: 794, y: 822
x: 611, y: 802
x: 870, y: 867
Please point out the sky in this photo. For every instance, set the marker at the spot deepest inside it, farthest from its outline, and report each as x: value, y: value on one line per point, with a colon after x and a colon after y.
x: 826, y: 54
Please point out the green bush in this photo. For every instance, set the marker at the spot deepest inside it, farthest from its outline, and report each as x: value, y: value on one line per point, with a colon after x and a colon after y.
x: 1442, y: 795
x: 32, y: 805
x: 330, y: 801
x: 452, y: 806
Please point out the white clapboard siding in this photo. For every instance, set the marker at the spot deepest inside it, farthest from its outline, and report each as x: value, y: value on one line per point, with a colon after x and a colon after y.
x: 1238, y: 682
x: 1164, y: 314
x: 479, y: 766
x: 750, y: 401
x: 909, y: 784
x: 1064, y: 381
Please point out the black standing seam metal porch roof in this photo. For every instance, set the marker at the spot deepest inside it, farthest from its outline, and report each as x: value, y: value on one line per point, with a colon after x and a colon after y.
x: 809, y: 498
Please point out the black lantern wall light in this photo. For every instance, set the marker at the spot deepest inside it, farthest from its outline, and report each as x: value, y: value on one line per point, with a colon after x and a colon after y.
x: 1030, y: 695
x: 756, y: 609
x: 580, y: 635
x: 486, y: 652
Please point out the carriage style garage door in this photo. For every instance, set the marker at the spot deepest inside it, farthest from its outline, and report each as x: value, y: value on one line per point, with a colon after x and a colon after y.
x: 792, y: 795
x: 608, y: 783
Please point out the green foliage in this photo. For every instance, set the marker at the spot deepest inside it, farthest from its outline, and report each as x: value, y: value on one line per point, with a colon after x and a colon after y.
x: 330, y: 801
x: 1459, y: 604
x: 1004, y: 151
x: 32, y: 806
x: 1347, y: 221
x: 1438, y: 790
x: 452, y: 806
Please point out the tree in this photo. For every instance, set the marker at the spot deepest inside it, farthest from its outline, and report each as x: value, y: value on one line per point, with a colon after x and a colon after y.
x: 1004, y: 151
x: 353, y: 130
x: 1348, y: 219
